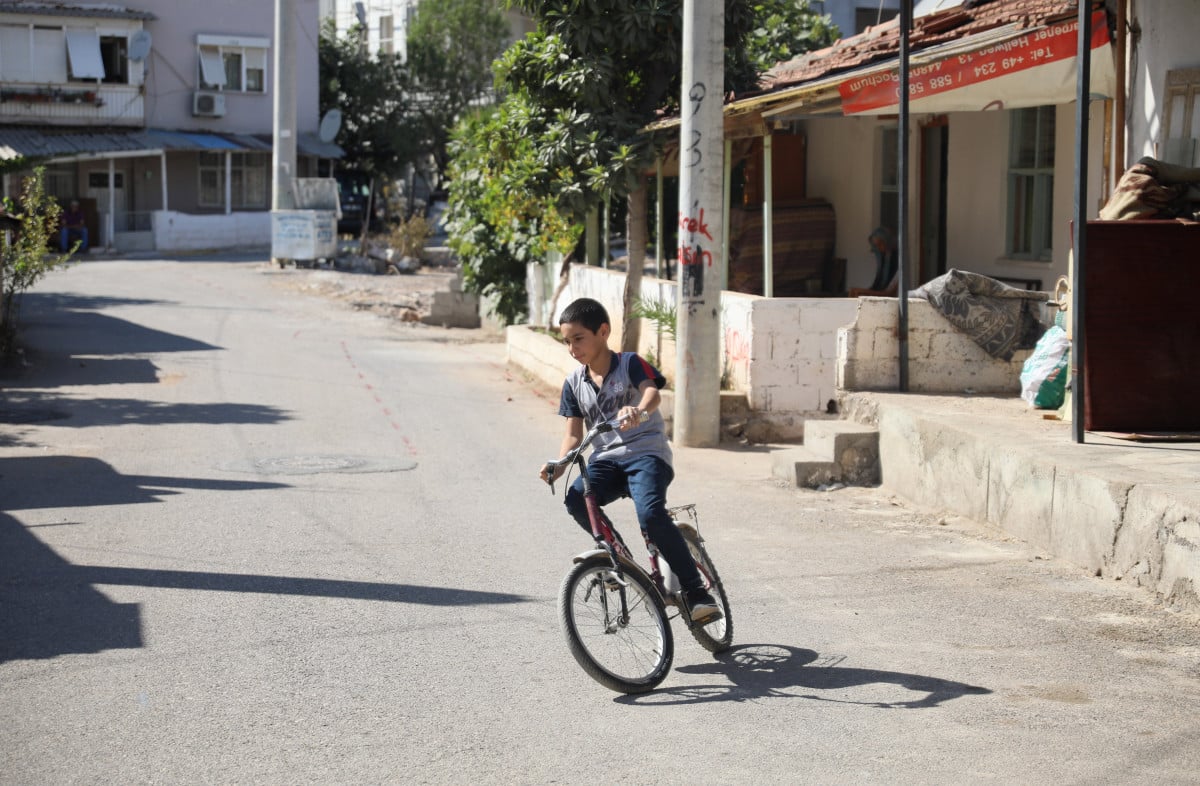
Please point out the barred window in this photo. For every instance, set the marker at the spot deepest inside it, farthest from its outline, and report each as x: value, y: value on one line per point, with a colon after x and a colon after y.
x: 249, y: 182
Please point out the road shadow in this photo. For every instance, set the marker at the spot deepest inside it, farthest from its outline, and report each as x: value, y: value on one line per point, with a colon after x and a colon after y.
x: 760, y: 671
x: 27, y: 407
x: 31, y: 482
x: 66, y: 341
x: 51, y: 607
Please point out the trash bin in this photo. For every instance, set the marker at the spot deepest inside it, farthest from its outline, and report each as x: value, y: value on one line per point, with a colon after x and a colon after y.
x: 303, y: 236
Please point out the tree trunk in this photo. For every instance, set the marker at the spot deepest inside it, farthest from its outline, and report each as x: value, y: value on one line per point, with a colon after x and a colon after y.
x: 370, y: 210
x: 635, y: 235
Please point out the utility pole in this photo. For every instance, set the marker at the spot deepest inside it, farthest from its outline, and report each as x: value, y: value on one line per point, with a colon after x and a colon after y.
x: 283, y: 144
x: 701, y: 262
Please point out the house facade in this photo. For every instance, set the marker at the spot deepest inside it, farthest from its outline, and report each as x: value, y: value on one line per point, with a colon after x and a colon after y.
x: 158, y: 117
x: 991, y: 153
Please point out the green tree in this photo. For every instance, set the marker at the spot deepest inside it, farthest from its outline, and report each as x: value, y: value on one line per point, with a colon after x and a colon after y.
x: 786, y: 29
x: 451, y: 47
x: 379, y: 127
x: 24, y: 261
x: 580, y: 90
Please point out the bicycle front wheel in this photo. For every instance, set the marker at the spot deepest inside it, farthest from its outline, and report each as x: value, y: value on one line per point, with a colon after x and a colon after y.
x: 618, y: 634
x: 715, y: 636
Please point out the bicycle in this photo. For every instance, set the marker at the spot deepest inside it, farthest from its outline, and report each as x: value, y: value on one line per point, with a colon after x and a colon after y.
x: 614, y: 612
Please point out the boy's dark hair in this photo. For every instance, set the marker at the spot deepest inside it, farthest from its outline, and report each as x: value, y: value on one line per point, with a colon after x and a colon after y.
x: 586, y: 312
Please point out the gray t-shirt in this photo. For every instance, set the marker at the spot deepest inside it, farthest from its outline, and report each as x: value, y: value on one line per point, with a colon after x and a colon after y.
x: 582, y: 399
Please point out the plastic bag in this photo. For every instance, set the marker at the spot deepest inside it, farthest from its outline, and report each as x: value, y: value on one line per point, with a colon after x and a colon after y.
x: 1044, y: 375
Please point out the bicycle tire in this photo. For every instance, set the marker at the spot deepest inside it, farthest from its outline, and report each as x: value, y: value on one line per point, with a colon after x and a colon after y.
x: 715, y: 636
x: 633, y: 657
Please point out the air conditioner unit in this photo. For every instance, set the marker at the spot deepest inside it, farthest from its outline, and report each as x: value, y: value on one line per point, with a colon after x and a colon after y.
x: 208, y: 104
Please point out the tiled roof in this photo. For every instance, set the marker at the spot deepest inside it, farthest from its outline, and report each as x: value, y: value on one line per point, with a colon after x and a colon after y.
x: 883, y: 41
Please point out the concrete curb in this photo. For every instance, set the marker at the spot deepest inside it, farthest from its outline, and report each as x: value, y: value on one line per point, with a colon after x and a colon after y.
x: 1123, y: 511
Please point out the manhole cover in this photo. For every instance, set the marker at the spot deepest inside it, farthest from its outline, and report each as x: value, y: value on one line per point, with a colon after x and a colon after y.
x: 20, y: 416
x: 318, y: 464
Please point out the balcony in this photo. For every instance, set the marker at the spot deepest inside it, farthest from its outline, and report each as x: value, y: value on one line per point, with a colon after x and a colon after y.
x: 66, y: 105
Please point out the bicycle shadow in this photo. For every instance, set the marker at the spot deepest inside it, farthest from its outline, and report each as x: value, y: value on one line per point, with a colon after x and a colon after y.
x: 779, y: 671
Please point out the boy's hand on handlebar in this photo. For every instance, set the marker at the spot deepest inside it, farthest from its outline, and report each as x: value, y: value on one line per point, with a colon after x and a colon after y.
x: 550, y: 473
x: 631, y: 417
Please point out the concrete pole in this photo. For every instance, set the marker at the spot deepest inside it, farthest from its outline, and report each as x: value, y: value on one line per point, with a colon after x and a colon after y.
x: 701, y: 264
x: 283, y: 148
x: 162, y: 157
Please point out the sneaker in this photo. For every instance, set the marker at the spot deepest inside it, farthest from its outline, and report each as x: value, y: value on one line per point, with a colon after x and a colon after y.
x: 702, y: 607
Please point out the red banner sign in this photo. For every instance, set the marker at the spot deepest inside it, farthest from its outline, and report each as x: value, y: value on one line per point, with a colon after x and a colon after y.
x: 1036, y: 48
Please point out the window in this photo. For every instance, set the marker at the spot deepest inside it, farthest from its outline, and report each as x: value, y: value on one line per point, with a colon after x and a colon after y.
x: 114, y: 55
x: 889, y: 178
x: 83, y: 54
x: 233, y: 64
x: 387, y: 33
x: 248, y: 180
x: 1031, y: 183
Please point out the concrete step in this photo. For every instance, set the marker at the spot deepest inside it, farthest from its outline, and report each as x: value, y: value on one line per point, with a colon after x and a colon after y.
x: 834, y: 451
x: 801, y: 467
x: 852, y: 446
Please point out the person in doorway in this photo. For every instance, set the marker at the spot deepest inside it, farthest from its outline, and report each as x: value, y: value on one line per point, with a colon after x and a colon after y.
x: 887, y: 268
x: 633, y: 461
x: 74, y: 225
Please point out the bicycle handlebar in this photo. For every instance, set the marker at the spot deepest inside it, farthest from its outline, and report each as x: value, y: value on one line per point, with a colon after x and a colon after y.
x: 603, y: 427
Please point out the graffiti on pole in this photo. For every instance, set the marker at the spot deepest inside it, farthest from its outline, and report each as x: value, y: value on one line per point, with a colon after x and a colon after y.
x: 696, y: 244
x: 693, y: 256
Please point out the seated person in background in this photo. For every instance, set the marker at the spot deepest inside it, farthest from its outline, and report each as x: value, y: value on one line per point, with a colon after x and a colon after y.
x: 887, y: 269
x: 73, y: 225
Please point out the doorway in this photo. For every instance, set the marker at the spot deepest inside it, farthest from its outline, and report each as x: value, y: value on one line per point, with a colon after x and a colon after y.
x: 935, y: 137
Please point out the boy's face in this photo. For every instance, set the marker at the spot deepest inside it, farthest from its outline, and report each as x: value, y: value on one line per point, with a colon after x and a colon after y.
x: 584, y: 345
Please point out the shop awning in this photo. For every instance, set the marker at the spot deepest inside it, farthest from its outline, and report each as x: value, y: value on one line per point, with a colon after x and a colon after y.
x: 1024, y: 68
x: 65, y: 145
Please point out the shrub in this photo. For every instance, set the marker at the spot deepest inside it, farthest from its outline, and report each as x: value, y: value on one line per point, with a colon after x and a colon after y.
x: 23, y: 259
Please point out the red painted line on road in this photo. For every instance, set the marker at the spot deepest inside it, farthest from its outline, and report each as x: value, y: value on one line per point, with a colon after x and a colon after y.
x: 387, y: 413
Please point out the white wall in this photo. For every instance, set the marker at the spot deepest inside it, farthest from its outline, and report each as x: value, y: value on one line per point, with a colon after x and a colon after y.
x: 841, y: 169
x: 843, y: 161
x: 780, y: 352
x: 173, y: 70
x: 1168, y: 41
x: 187, y: 232
x: 942, y: 359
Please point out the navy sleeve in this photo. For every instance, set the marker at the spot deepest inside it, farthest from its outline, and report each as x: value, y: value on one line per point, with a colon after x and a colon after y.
x: 568, y: 405
x: 640, y: 371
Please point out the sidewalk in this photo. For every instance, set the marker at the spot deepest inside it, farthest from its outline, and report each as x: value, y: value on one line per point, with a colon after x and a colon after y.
x: 1130, y: 511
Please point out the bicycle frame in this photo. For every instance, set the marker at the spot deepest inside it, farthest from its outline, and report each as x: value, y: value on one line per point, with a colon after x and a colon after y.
x: 609, y: 540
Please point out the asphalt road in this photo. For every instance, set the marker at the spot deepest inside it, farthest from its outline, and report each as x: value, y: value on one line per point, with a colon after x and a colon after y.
x: 251, y: 535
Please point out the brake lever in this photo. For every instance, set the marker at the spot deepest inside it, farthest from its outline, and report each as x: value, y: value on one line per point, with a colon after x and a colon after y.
x: 550, y: 477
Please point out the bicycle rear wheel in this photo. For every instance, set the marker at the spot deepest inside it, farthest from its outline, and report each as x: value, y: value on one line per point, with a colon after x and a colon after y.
x: 628, y: 653
x: 715, y: 636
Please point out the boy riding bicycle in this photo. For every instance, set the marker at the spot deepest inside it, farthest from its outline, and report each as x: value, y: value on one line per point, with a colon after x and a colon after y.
x: 633, y: 461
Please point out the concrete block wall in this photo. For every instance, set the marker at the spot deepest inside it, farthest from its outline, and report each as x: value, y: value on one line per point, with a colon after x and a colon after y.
x: 187, y: 232
x: 781, y: 353
x: 941, y: 359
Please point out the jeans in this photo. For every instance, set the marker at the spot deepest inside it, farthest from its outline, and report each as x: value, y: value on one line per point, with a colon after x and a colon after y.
x: 645, y: 480
x: 64, y: 238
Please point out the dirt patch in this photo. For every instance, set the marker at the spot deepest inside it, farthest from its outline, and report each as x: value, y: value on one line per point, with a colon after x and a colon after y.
x: 404, y: 298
